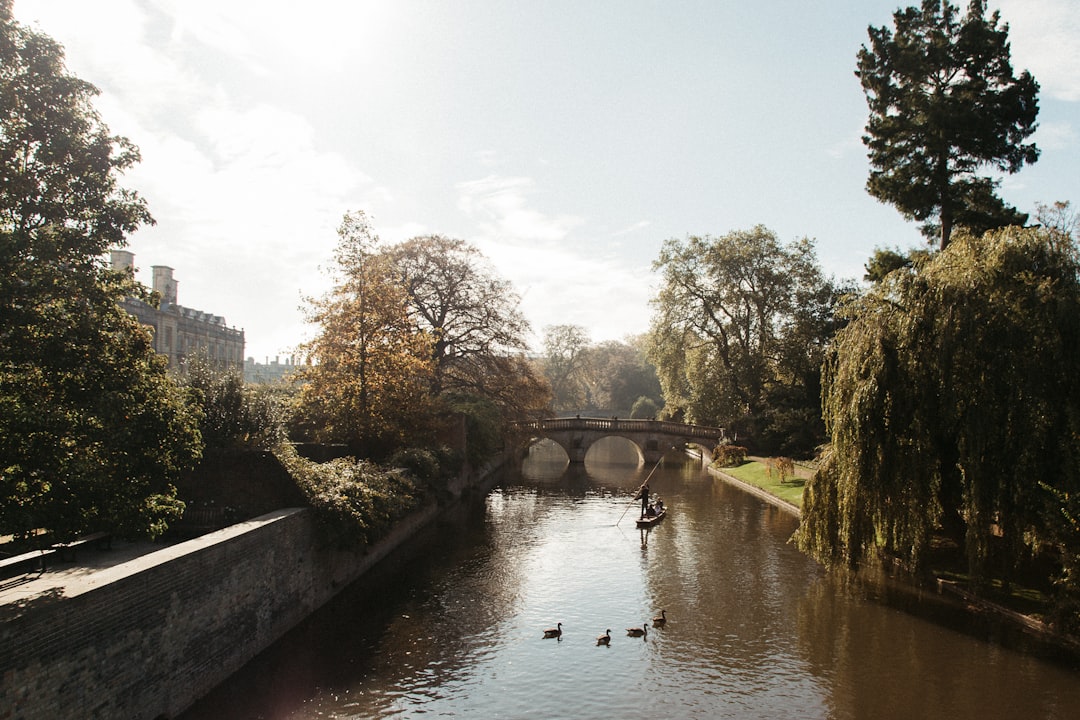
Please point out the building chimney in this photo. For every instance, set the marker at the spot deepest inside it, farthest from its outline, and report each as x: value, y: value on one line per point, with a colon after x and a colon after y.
x: 122, y: 260
x: 164, y: 284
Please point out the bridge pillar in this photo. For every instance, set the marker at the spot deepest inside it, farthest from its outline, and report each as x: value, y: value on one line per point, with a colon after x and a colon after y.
x: 652, y: 456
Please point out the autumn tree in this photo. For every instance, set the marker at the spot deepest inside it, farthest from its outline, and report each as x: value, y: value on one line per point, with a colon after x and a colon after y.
x: 93, y: 430
x: 952, y: 407
x: 369, y: 368
x: 478, y: 333
x: 945, y: 105
x: 738, y: 333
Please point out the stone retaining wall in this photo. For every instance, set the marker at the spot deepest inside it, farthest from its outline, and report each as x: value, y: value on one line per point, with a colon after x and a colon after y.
x: 145, y: 639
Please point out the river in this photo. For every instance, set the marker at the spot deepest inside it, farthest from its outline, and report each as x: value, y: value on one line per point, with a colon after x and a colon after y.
x: 451, y: 626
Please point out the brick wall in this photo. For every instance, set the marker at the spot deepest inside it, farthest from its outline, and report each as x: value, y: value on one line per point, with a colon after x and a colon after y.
x: 145, y: 639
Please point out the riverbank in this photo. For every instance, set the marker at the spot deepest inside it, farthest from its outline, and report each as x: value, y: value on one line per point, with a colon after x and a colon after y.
x: 760, y: 489
x: 758, y: 483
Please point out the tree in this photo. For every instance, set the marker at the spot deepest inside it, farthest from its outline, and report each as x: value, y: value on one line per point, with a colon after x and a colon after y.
x: 952, y: 408
x: 92, y: 429
x: 565, y: 353
x: 944, y: 104
x: 739, y: 329
x: 233, y: 414
x: 369, y: 368
x: 619, y: 375
x: 1061, y: 221
x: 471, y: 314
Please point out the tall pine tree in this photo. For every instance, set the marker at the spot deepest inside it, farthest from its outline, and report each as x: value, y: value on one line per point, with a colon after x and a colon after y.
x: 946, y: 105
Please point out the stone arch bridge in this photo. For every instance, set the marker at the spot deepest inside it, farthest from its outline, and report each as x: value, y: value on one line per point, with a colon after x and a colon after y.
x: 652, y: 437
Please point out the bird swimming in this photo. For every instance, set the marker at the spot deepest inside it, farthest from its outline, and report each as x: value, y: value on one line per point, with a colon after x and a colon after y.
x: 660, y: 620
x: 637, y: 631
x: 553, y: 632
x: 604, y: 639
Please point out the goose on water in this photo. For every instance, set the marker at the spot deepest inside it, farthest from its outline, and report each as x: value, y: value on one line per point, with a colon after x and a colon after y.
x: 553, y: 632
x: 660, y: 620
x: 637, y: 631
x: 604, y: 639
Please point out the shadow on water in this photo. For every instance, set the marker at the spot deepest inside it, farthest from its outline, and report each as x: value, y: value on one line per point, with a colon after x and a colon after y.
x: 950, y: 612
x: 353, y: 634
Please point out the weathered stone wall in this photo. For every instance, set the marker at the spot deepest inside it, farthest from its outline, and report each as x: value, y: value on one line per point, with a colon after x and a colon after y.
x: 145, y: 639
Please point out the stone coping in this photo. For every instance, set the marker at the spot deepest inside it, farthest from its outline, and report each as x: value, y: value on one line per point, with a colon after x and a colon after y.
x: 95, y: 568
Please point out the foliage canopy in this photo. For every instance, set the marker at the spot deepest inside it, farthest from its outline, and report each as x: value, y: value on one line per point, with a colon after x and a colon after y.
x: 476, y: 328
x: 410, y: 335
x: 945, y: 104
x: 92, y: 429
x: 738, y: 334
x: 369, y: 369
x: 952, y: 407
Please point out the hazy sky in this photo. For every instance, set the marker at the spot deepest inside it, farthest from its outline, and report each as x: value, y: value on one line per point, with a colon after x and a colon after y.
x: 567, y: 139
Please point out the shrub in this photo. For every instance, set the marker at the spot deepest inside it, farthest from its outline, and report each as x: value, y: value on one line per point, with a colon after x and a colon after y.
x: 729, y: 455
x: 357, y: 502
x: 644, y: 408
x: 784, y: 468
x: 420, y: 462
x: 233, y: 414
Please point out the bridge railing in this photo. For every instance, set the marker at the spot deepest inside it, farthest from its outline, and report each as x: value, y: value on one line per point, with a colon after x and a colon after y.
x: 621, y: 425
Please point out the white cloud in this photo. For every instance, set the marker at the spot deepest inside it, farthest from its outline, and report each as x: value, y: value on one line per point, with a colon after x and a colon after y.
x: 1045, y: 37
x: 639, y: 225
x: 561, y: 286
x: 317, y: 33
x: 561, y: 281
x: 500, y: 206
x: 246, y: 201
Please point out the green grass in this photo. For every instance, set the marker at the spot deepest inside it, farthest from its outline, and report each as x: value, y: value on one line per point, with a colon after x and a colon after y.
x: 753, y: 473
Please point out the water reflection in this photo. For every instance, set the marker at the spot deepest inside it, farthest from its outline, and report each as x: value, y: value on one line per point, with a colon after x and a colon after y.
x: 453, y: 625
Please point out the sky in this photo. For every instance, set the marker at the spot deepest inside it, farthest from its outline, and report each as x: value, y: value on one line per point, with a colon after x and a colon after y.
x: 566, y: 139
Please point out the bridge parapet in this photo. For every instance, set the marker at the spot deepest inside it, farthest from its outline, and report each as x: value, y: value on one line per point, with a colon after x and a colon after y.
x: 652, y: 437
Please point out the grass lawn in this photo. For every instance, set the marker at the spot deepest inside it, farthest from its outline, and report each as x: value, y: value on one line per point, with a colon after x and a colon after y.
x: 753, y: 473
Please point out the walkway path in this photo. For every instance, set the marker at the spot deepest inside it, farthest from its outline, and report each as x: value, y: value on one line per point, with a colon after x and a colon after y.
x: 64, y: 579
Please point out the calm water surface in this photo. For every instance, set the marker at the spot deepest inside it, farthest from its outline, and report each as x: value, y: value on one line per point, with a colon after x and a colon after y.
x: 452, y: 626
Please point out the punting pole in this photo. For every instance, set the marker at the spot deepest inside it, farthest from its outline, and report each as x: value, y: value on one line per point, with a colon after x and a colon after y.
x: 643, y: 484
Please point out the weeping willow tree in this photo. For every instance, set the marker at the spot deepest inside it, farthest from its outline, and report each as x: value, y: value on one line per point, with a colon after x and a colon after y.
x: 952, y: 407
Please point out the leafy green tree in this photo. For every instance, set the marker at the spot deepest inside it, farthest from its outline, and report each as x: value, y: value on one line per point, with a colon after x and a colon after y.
x: 619, y: 374
x: 952, y: 407
x: 233, y: 415
x: 369, y: 368
x: 92, y: 428
x: 566, y: 350
x: 738, y: 333
x: 644, y: 408
x: 885, y: 260
x: 944, y: 104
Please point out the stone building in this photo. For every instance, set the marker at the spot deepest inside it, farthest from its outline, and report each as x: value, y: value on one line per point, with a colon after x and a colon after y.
x: 272, y: 371
x: 180, y: 332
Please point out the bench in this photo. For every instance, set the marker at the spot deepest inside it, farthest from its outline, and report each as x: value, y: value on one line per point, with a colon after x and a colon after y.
x: 33, y: 561
x: 68, y: 550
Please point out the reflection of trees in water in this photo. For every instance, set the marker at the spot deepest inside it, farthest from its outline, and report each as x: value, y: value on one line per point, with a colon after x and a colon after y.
x: 895, y: 664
